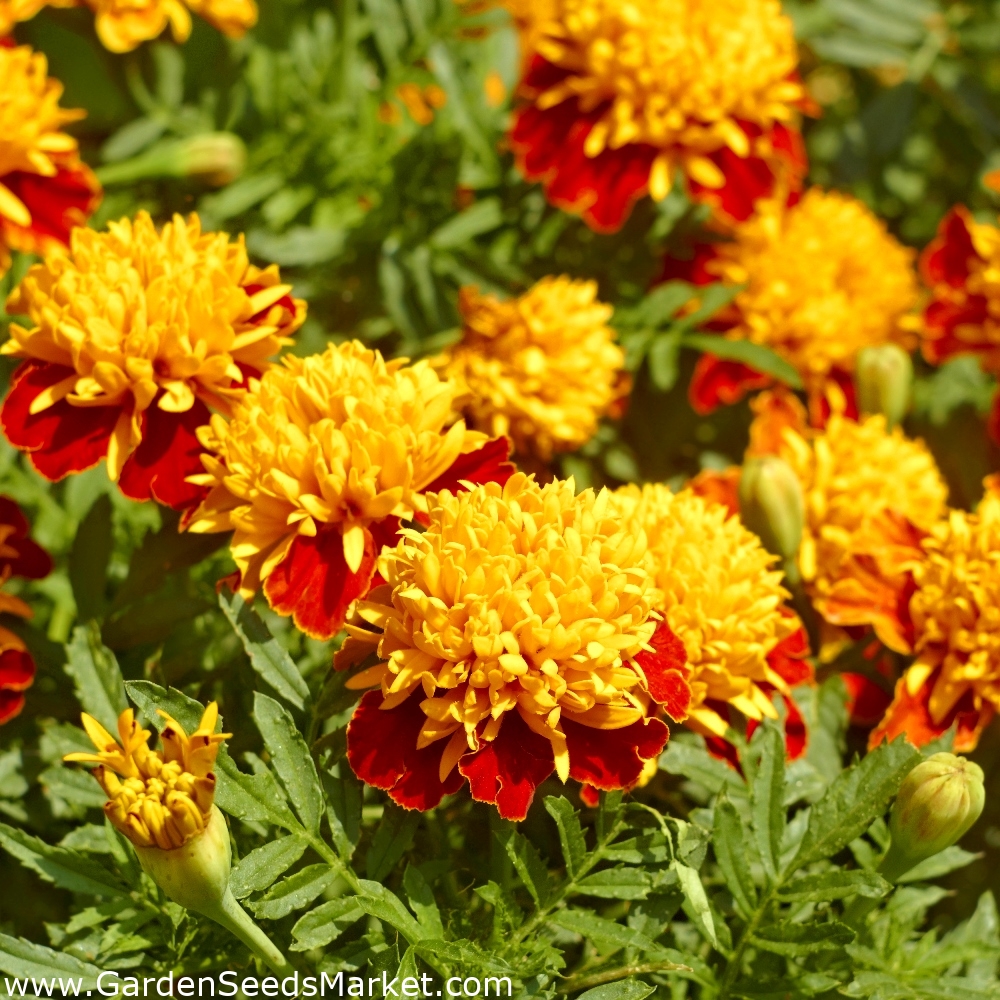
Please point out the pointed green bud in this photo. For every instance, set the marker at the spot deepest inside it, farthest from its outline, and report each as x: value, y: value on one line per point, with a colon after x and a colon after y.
x: 937, y: 803
x: 772, y: 505
x: 883, y: 376
x: 215, y: 158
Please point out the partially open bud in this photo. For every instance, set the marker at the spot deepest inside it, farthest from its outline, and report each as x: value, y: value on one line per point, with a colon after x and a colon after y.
x: 215, y: 158
x: 884, y: 379
x: 937, y: 803
x: 772, y: 505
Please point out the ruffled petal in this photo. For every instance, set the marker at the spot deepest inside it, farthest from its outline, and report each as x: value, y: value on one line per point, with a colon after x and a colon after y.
x: 613, y: 758
x: 667, y: 672
x: 719, y: 382
x: 485, y: 465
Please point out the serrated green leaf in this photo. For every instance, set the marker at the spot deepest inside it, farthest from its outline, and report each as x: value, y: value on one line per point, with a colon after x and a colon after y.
x: 267, y: 656
x: 729, y: 840
x: 326, y: 923
x: 258, y: 869
x: 343, y: 813
x: 624, y: 989
x: 251, y: 797
x: 574, y: 845
x: 480, y: 217
x: 23, y: 959
x: 291, y: 759
x: 662, y: 303
x: 826, y: 886
x: 74, y: 786
x: 377, y: 901
x: 422, y: 902
x: 149, y: 698
x: 765, y: 765
x: 791, y: 939
x: 948, y: 860
x: 696, y: 902
x: 605, y: 934
x: 663, y: 355
x: 392, y: 839
x: 616, y: 883
x: 528, y: 864
x: 756, y: 356
x: 96, y: 677
x: 88, y: 559
x: 696, y: 764
x: 853, y: 49
x: 294, y: 892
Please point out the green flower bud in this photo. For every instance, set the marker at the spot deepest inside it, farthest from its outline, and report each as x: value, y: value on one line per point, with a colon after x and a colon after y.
x: 215, y: 158
x: 884, y: 378
x: 772, y: 505
x: 937, y: 803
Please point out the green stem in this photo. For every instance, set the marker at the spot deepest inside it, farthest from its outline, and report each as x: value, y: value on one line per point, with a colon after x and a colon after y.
x: 735, y: 964
x: 237, y: 921
x: 575, y: 983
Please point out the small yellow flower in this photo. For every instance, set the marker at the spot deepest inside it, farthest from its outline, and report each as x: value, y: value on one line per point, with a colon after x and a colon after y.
x: 542, y: 368
x: 721, y: 597
x: 122, y: 25
x: 156, y: 798
x: 12, y: 11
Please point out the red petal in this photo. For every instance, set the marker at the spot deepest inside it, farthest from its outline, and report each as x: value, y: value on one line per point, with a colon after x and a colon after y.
x: 11, y: 703
x: 63, y: 438
x: 17, y: 670
x: 168, y: 453
x: 485, y: 465
x: 31, y: 561
x: 866, y: 701
x: 717, y: 382
x: 590, y: 796
x: 796, y: 735
x: 819, y: 405
x: 57, y: 204
x: 613, y: 758
x: 789, y: 658
x: 723, y: 750
x: 313, y: 584
x: 694, y: 271
x: 507, y: 771
x: 382, y: 751
x: 948, y: 257
x: 667, y: 672
x: 719, y: 487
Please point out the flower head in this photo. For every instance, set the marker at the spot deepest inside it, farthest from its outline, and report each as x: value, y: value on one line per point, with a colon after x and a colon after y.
x: 122, y: 25
x: 316, y: 465
x: 955, y: 612
x: 541, y: 368
x: 19, y: 556
x: 516, y: 636
x: 134, y: 336
x: 157, y: 798
x: 823, y: 280
x: 618, y: 97
x: 720, y: 595
x: 44, y: 188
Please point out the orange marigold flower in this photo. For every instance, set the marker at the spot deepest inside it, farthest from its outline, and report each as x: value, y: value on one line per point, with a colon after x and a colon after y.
x: 822, y: 279
x: 517, y: 636
x: 19, y: 556
x: 955, y: 609
x: 618, y: 97
x: 135, y: 335
x: 44, y: 188
x: 122, y: 25
x: 542, y: 368
x: 13, y: 11
x: 960, y: 266
x: 162, y: 798
x: 722, y: 597
x: 321, y: 458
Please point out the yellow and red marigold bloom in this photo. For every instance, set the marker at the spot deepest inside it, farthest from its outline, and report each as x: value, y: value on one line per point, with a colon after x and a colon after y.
x: 136, y: 335
x: 616, y: 98
x: 823, y: 279
x: 955, y: 612
x: 517, y: 636
x: 156, y: 798
x: 960, y: 266
x: 19, y: 556
x: 722, y: 597
x: 44, y: 188
x: 541, y: 369
x: 318, y: 463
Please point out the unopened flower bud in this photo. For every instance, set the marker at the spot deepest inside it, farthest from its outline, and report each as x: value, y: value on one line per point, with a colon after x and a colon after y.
x: 772, y: 505
x: 215, y: 158
x: 884, y: 378
x: 937, y: 803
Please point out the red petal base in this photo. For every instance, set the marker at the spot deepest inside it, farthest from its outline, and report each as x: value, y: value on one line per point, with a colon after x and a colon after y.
x: 717, y: 382
x: 667, y: 672
x: 613, y: 758
x: 31, y: 561
x: 17, y: 673
x: 486, y: 465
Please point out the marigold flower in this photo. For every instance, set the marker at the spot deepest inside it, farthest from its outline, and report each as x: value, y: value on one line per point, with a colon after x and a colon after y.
x: 135, y: 335
x: 617, y: 97
x: 19, y: 556
x: 721, y: 597
x: 44, y: 188
x: 122, y: 25
x: 321, y: 458
x: 955, y: 612
x: 823, y: 280
x: 516, y: 636
x: 542, y: 368
x: 960, y: 268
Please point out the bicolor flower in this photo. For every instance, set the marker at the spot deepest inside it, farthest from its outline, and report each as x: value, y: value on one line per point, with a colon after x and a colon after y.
x: 318, y: 463
x: 45, y: 190
x: 616, y: 99
x: 136, y: 336
x: 516, y: 637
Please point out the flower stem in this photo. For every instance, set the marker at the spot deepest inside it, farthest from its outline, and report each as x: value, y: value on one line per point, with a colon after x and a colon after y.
x: 237, y: 921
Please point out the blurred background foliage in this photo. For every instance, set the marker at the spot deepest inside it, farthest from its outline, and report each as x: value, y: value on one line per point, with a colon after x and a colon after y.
x: 360, y: 145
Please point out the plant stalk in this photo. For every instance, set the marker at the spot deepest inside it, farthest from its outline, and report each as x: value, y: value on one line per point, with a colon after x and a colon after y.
x: 237, y: 921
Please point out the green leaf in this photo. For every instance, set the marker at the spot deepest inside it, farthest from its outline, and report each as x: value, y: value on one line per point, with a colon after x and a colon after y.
x: 291, y: 759
x: 88, y: 559
x: 294, y: 892
x: 151, y: 620
x: 326, y: 923
x: 60, y: 866
x: 343, y: 812
x: 663, y: 354
x: 787, y: 938
x: 826, y: 886
x: 696, y: 764
x: 377, y: 901
x: 696, y: 901
x: 574, y: 845
x: 605, y: 934
x: 711, y: 298
x: 96, y: 676
x: 948, y: 860
x: 624, y: 989
x: 729, y: 840
x: 251, y: 797
x: 478, y: 218
x: 852, y: 49
x: 267, y: 656
x: 258, y: 869
x: 392, y: 839
x: 766, y: 772
x: 662, y: 303
x: 616, y: 883
x: 854, y: 799
x: 422, y: 902
x: 149, y: 698
x: 77, y: 787
x: 756, y: 356
x: 23, y: 959
x: 528, y: 863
